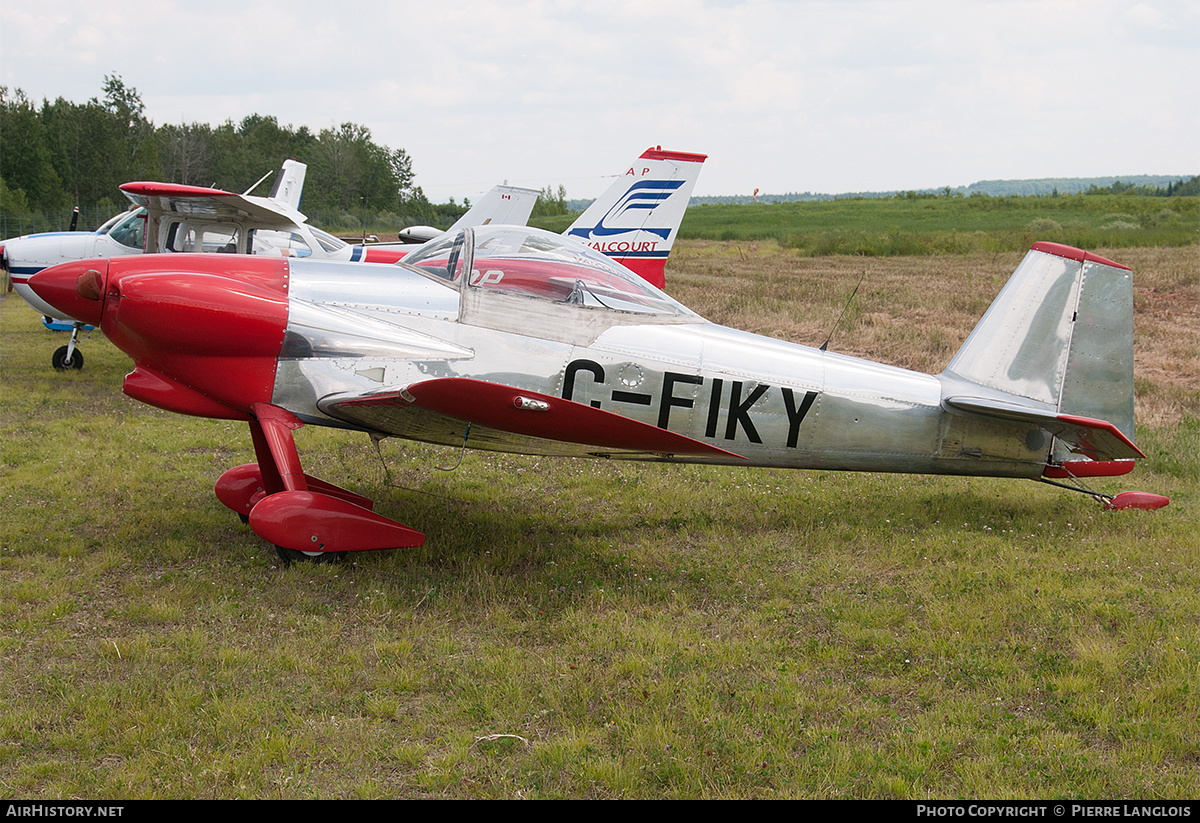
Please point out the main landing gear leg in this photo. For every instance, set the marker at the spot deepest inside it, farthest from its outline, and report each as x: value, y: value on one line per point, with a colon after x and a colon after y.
x: 305, y: 517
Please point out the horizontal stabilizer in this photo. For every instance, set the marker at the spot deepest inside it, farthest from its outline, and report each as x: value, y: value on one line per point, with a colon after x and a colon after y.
x: 1088, y: 468
x: 1095, y: 439
x: 495, y: 411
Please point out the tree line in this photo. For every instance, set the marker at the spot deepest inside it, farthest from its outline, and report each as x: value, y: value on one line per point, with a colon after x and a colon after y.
x: 63, y: 154
x: 1174, y: 188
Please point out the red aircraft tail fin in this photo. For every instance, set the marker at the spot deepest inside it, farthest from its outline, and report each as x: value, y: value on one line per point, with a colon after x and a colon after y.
x: 635, y: 222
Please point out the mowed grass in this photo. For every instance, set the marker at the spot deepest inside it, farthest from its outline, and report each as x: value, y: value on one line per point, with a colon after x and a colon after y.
x: 594, y: 629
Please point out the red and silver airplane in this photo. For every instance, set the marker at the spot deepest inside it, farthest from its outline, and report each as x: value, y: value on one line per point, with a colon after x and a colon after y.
x: 519, y: 340
x: 636, y: 221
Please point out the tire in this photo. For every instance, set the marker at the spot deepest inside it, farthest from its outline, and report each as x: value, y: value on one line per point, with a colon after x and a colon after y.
x: 289, y: 556
x: 60, y: 361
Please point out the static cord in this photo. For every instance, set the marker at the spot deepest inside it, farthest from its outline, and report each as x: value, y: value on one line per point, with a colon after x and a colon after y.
x: 461, y: 452
x: 387, y: 473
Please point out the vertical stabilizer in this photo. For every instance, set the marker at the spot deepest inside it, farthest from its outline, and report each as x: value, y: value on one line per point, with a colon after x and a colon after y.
x: 289, y: 185
x: 635, y: 222
x: 503, y: 205
x: 1060, y: 333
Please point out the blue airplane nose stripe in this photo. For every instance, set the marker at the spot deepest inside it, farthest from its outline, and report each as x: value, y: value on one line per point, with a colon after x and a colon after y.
x: 648, y: 254
x: 20, y: 275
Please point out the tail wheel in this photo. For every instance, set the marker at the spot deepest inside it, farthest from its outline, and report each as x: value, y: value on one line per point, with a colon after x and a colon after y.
x: 65, y: 359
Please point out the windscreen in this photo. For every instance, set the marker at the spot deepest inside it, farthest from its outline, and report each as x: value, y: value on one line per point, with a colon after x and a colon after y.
x: 537, y: 263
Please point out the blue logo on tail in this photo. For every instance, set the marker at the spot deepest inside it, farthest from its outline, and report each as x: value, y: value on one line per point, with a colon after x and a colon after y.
x: 646, y: 195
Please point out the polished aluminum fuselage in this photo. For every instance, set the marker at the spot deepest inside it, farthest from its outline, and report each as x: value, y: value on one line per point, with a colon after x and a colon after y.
x: 771, y: 402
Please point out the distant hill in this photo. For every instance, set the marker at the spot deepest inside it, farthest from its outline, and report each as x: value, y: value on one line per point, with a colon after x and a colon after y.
x: 994, y: 188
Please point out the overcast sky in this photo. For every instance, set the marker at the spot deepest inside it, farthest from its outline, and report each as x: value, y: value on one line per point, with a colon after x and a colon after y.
x: 783, y: 96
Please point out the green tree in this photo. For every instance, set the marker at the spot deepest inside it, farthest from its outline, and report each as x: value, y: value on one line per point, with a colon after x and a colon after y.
x: 186, y: 153
x: 97, y: 146
x: 26, y: 158
x: 12, y: 200
x: 131, y: 136
x: 266, y: 144
x: 349, y: 170
x: 80, y: 153
x: 551, y: 203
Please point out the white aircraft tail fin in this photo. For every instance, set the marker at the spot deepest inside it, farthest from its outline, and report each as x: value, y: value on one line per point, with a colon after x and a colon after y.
x: 635, y: 222
x: 1056, y: 344
x: 289, y: 185
x: 503, y: 205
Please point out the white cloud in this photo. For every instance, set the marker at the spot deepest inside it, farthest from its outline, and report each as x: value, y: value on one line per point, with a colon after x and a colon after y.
x: 822, y: 96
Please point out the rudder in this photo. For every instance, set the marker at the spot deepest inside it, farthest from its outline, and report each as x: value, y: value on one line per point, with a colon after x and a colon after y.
x: 1059, y: 333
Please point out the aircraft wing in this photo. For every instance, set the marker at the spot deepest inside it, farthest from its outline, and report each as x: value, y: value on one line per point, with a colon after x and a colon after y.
x: 174, y: 198
x: 1095, y: 439
x: 458, y: 411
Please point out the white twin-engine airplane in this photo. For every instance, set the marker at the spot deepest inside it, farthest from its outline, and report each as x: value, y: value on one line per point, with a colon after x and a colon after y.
x: 636, y: 221
x: 519, y: 340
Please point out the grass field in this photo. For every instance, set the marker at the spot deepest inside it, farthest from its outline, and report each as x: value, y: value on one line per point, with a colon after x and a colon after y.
x: 591, y: 629
x: 884, y: 227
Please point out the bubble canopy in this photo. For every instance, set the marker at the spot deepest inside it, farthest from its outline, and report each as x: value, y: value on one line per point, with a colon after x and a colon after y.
x: 537, y: 263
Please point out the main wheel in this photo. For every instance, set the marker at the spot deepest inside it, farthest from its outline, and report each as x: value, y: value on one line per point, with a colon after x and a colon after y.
x: 289, y: 556
x: 61, y: 362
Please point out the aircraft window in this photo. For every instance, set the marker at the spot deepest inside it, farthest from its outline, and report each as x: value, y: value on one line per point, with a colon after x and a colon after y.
x: 536, y: 263
x: 433, y: 257
x: 188, y: 237
x: 280, y: 243
x: 112, y: 221
x: 131, y: 231
x: 180, y: 237
x: 327, y: 241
